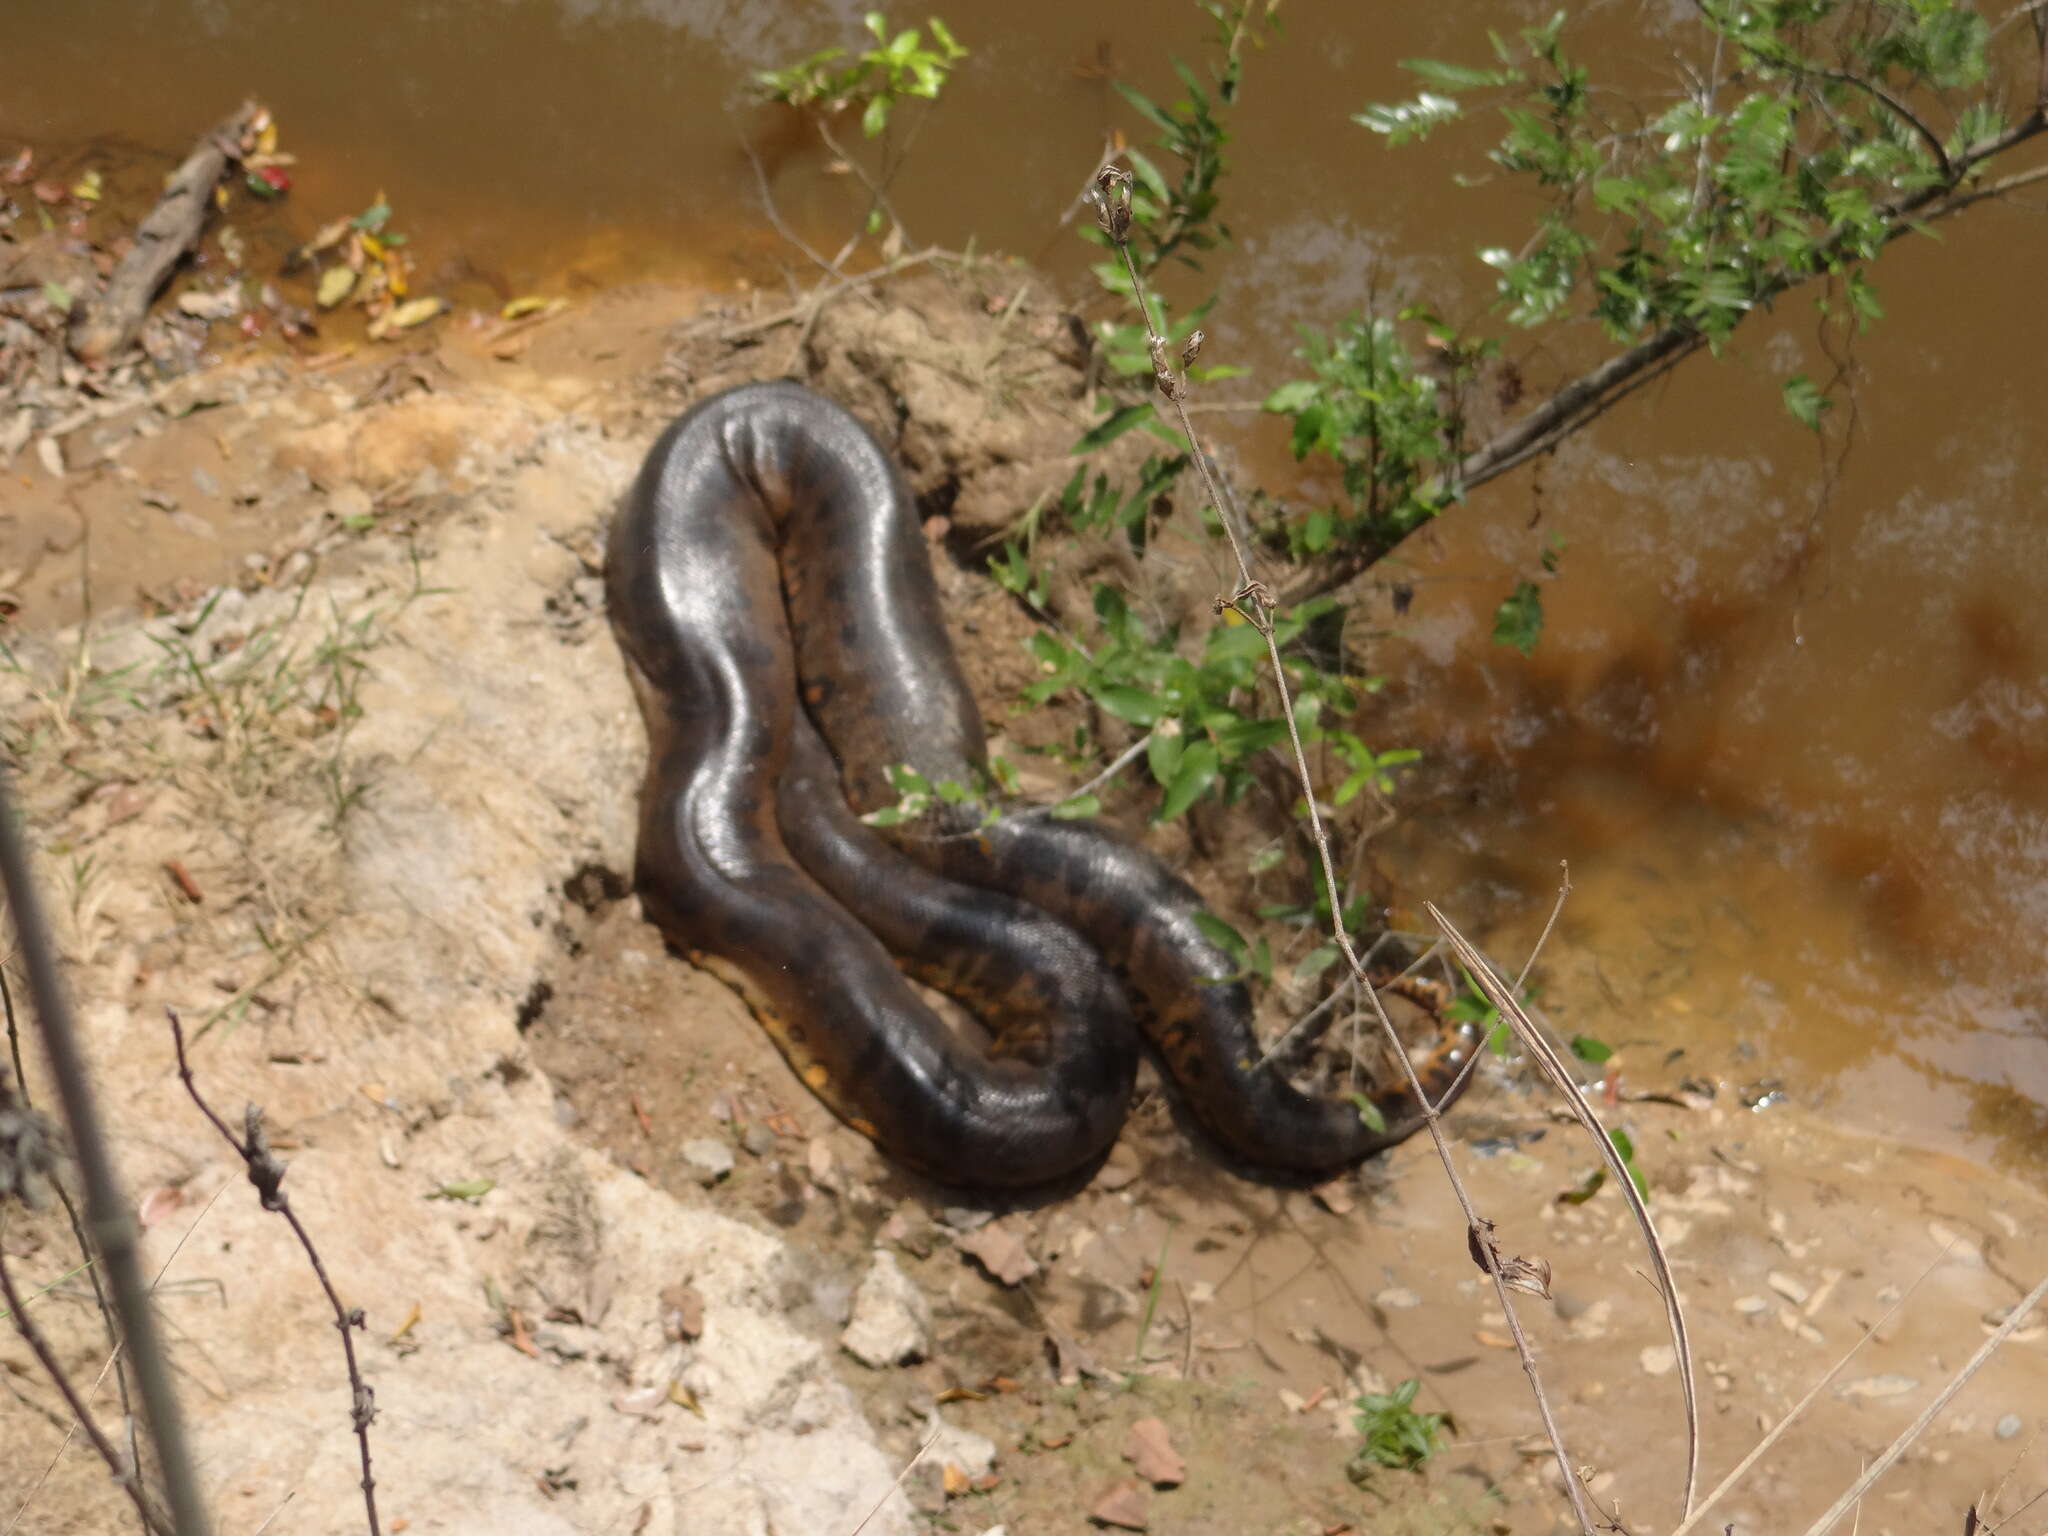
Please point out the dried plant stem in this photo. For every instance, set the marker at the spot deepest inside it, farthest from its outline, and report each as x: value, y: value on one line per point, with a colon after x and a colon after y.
x: 1777, y: 1430
x: 266, y: 1172
x: 1553, y: 1067
x: 108, y: 1220
x: 1253, y: 602
x: 1918, y: 1427
x: 77, y: 1221
x: 124, y: 1472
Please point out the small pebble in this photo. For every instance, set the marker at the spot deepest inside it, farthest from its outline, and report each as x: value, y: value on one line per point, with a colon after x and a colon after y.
x: 2008, y: 1426
x: 1398, y: 1298
x: 758, y: 1140
x: 1749, y: 1306
x: 1787, y: 1287
x: 708, y: 1158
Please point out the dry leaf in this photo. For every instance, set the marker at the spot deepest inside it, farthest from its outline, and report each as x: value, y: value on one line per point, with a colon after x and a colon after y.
x: 159, y: 1203
x: 954, y: 1481
x: 335, y: 285
x: 1001, y: 1252
x: 528, y: 304
x: 1122, y: 1505
x: 1150, y: 1450
x: 415, y: 312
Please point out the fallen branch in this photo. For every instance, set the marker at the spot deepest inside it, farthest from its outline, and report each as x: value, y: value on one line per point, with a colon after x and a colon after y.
x: 109, y: 325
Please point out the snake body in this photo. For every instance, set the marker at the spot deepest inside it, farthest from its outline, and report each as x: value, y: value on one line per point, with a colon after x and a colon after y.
x: 770, y: 587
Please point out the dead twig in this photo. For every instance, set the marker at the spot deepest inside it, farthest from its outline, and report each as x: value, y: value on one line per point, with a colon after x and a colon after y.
x: 266, y: 1172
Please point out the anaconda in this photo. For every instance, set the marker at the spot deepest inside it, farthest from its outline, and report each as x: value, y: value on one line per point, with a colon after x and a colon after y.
x: 770, y: 586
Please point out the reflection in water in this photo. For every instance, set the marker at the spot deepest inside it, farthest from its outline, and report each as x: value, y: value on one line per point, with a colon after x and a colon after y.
x: 1793, y: 746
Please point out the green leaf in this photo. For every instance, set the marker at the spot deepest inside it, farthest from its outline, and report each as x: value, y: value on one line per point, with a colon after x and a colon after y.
x: 1163, y: 755
x: 876, y: 117
x: 1456, y: 77
x: 1368, y: 1111
x: 1592, y: 1052
x: 1317, y: 961
x: 1113, y: 426
x: 1221, y: 934
x: 1404, y: 120
x: 57, y: 296
x: 471, y: 1190
x: 1803, y: 398
x: 1197, y: 771
x: 1135, y: 705
x: 1076, y: 807
x: 1295, y: 395
x: 1519, y: 618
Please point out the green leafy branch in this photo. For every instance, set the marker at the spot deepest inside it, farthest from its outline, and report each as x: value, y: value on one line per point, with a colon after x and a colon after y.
x: 1818, y: 133
x: 874, y: 82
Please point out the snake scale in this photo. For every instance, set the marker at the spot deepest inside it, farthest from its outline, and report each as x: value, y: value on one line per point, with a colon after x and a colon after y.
x: 770, y: 587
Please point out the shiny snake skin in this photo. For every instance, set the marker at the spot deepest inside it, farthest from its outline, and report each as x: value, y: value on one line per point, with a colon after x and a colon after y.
x: 770, y: 587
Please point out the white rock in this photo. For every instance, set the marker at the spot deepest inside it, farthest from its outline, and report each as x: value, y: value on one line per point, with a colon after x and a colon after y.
x: 891, y: 1321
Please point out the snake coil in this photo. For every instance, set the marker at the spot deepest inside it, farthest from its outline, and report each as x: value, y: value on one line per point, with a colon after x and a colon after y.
x: 770, y: 587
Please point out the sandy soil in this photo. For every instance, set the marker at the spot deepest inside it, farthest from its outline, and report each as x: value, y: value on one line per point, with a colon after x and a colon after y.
x: 343, y: 769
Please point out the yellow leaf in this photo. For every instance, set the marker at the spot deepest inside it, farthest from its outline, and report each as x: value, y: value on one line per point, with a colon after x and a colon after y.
x: 373, y: 247
x: 527, y: 305
x: 335, y: 284
x: 87, y: 188
x: 266, y: 138
x: 415, y: 312
x: 394, y: 274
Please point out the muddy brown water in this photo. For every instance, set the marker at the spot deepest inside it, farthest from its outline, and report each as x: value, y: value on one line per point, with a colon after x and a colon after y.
x: 1786, y: 723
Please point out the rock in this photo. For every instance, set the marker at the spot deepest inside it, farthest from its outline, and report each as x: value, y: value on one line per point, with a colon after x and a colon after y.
x: 891, y: 1323
x: 1149, y: 1449
x: 948, y: 1445
x: 757, y: 1139
x: 2008, y: 1426
x: 708, y: 1158
x: 1398, y: 1298
x: 1123, y: 1505
x: 1786, y: 1286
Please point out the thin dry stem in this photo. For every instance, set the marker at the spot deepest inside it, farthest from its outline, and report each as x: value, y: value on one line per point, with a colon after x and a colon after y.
x: 1552, y: 1065
x: 266, y: 1172
x: 1777, y: 1430
x: 1254, y: 603
x: 1918, y: 1427
x: 124, y: 1472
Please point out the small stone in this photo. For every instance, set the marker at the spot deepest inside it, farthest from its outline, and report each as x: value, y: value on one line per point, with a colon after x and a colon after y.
x: 1657, y: 1360
x: 1749, y: 1306
x: 1787, y: 1287
x: 2008, y: 1426
x: 1122, y: 1505
x: 1150, y: 1450
x: 757, y: 1139
x: 1398, y: 1298
x: 1889, y: 1385
x: 709, y: 1158
x: 953, y: 1447
x: 891, y: 1322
